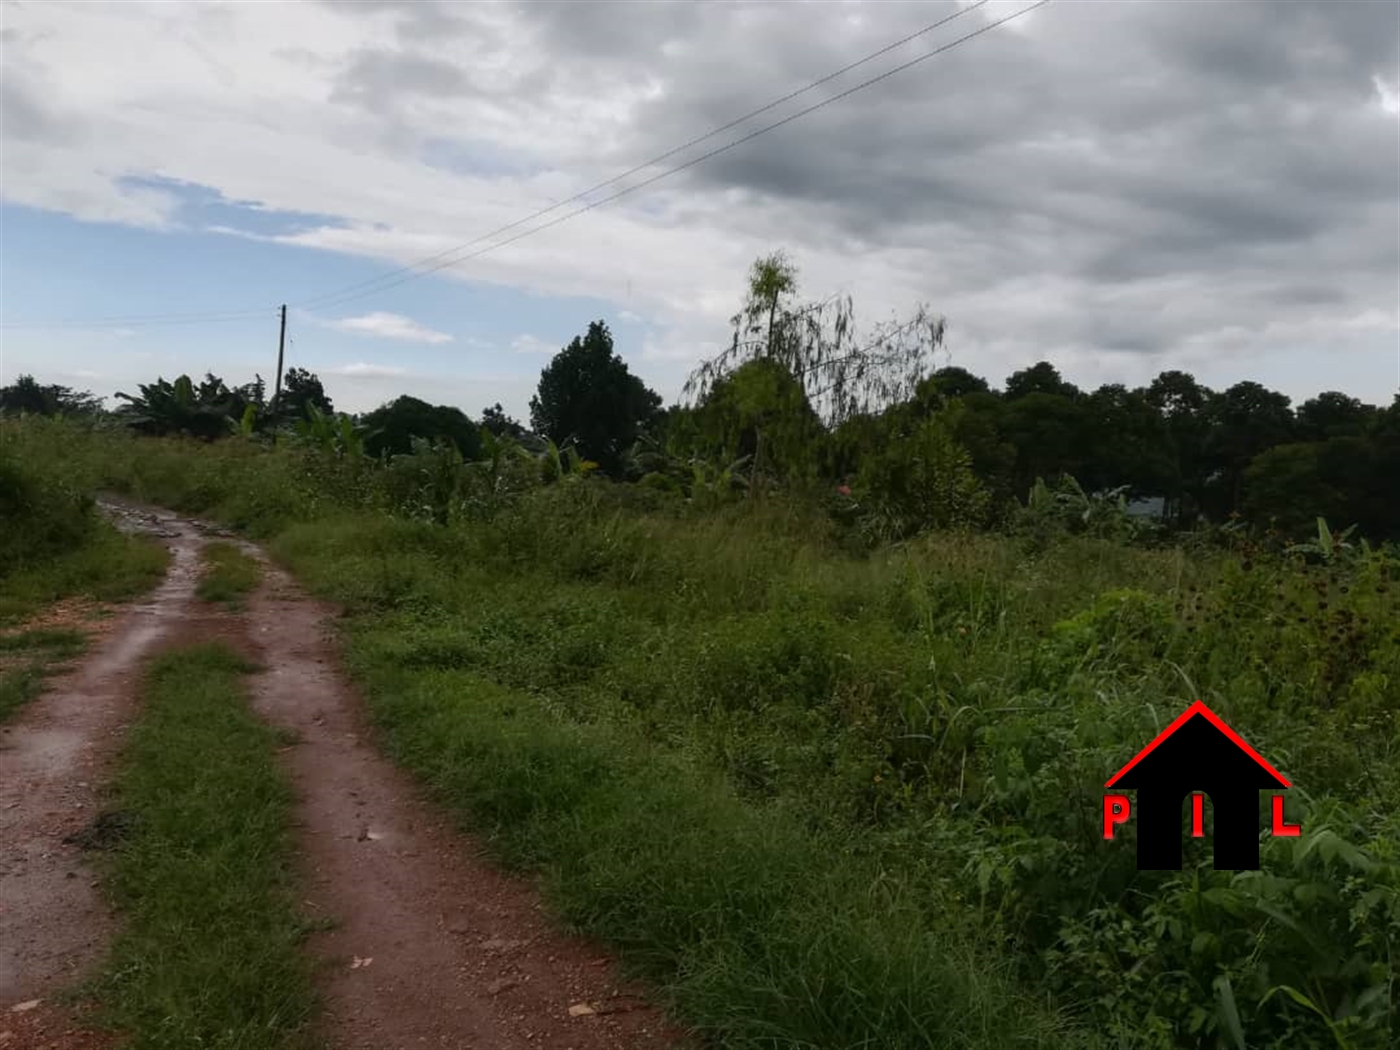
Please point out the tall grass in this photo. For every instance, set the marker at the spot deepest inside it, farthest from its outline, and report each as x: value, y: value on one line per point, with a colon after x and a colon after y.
x: 829, y: 799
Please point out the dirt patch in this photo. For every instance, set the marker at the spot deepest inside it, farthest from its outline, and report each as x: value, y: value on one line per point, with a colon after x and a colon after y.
x: 79, y: 614
x: 54, y: 758
x: 44, y: 1028
x: 431, y: 946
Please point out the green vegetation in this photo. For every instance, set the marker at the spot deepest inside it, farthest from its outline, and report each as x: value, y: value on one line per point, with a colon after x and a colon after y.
x: 812, y: 720
x: 54, y: 544
x: 228, y: 575
x: 833, y: 796
x: 209, y: 950
x: 27, y: 657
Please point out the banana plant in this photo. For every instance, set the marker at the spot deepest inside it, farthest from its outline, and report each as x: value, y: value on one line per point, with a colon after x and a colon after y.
x: 332, y: 434
x: 564, y: 464
x: 1327, y: 546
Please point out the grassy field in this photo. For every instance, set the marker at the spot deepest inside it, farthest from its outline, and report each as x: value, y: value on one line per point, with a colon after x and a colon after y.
x: 209, y: 949
x: 54, y: 546
x: 228, y: 574
x: 835, y: 799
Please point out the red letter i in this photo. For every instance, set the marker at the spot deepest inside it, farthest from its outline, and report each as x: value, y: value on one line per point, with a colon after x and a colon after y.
x: 1198, y: 816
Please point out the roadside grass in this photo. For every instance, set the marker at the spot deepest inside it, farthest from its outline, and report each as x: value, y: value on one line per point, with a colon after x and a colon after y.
x: 27, y: 658
x: 228, y: 575
x: 852, y: 800
x: 108, y: 567
x: 209, y: 954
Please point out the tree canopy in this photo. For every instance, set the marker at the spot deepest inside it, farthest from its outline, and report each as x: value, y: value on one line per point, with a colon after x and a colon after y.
x: 587, y: 396
x: 25, y: 394
x: 393, y: 426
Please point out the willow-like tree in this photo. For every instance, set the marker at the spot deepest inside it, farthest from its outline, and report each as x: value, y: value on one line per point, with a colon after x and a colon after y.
x: 842, y: 374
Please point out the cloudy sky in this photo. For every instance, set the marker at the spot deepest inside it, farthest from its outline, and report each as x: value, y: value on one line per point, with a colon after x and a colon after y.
x: 1119, y: 187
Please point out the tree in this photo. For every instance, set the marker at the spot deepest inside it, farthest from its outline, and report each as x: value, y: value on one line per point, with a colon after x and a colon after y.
x: 1125, y: 441
x: 770, y: 278
x: 1182, y: 403
x: 301, y: 388
x: 1045, y: 428
x: 1245, y: 420
x: 952, y: 381
x: 1333, y: 414
x: 920, y: 479
x: 587, y: 396
x: 761, y: 407
x: 392, y: 427
x: 27, y: 395
x: 495, y: 420
x: 817, y: 344
x: 1041, y: 378
x: 180, y: 407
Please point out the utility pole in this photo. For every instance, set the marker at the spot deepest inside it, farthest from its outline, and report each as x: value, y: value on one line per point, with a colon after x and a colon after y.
x: 281, y: 344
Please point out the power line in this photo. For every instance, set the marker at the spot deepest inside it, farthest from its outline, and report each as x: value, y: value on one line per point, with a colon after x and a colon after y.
x: 413, y: 271
x: 410, y: 267
x: 337, y: 301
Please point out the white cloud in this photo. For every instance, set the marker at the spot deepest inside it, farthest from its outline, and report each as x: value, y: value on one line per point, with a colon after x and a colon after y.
x: 389, y: 326
x: 1389, y: 95
x: 364, y: 370
x: 529, y: 344
x: 1039, y: 230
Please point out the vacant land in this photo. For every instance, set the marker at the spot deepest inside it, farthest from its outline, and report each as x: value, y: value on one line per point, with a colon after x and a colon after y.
x: 832, y: 798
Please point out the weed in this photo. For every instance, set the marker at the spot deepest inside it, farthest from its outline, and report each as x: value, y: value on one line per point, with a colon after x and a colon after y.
x: 209, y: 950
x: 27, y: 658
x: 229, y: 574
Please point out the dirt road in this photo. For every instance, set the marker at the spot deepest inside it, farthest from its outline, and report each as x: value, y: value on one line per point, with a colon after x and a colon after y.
x: 427, y: 945
x: 54, y: 758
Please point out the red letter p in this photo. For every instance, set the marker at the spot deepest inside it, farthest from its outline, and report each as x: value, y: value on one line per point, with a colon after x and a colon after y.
x: 1115, y: 811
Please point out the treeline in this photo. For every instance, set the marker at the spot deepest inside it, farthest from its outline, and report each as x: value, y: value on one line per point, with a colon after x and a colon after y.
x: 896, y: 442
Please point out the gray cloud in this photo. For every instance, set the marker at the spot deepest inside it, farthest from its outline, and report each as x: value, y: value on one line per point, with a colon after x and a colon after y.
x: 1147, y: 180
x: 1219, y: 145
x: 377, y: 78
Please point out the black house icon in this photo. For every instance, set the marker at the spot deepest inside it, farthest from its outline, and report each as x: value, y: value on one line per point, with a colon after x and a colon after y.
x: 1198, y: 752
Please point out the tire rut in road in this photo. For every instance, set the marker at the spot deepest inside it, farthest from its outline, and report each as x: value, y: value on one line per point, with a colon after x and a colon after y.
x: 55, y: 757
x: 431, y: 947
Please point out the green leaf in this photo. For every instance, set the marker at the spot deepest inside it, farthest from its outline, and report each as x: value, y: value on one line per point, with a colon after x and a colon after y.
x: 1227, y: 1011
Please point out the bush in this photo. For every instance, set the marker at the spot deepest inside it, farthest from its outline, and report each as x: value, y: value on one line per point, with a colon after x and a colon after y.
x: 38, y: 519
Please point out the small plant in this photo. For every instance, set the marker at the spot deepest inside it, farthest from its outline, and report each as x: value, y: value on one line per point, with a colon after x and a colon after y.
x: 1327, y: 546
x: 228, y: 575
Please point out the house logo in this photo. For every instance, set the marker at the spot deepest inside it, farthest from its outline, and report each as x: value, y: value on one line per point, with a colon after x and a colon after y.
x: 1197, y: 755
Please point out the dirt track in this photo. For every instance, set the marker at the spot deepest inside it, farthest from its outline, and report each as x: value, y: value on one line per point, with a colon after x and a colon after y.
x: 459, y: 956
x: 54, y: 759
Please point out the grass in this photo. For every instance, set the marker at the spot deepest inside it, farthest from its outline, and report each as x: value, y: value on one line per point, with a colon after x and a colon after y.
x: 108, y: 567
x: 27, y: 658
x: 229, y: 574
x: 209, y: 950
x: 832, y: 800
